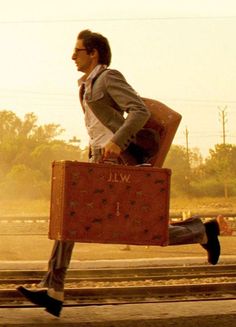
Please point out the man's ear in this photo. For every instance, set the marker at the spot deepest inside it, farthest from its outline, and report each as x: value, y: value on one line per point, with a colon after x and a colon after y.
x: 94, y: 53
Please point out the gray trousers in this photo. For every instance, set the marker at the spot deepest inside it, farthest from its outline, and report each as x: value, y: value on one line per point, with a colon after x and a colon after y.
x: 190, y: 231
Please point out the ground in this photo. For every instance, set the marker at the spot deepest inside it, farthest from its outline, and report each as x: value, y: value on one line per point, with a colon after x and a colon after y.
x: 39, y: 248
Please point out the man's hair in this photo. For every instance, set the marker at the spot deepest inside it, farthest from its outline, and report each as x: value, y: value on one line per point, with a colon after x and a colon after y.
x: 96, y: 41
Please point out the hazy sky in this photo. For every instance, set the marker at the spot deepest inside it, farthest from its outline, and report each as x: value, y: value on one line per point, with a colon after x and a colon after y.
x: 180, y: 52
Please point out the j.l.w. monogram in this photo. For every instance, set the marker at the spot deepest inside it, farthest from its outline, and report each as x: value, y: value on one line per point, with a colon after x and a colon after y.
x: 117, y: 177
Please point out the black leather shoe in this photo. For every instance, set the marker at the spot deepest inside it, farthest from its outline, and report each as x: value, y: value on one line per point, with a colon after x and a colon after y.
x: 213, y: 245
x: 42, y: 299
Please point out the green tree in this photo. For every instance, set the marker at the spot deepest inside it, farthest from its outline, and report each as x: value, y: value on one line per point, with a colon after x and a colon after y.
x: 18, y: 138
x: 178, y: 161
x: 26, y: 153
x: 44, y: 154
x: 221, y: 164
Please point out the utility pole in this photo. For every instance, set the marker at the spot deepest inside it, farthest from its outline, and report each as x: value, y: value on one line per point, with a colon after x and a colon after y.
x: 223, y: 119
x: 186, y: 139
x: 75, y: 140
x: 188, y: 170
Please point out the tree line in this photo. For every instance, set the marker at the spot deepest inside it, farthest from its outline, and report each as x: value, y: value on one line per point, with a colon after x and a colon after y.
x: 191, y: 175
x: 27, y: 151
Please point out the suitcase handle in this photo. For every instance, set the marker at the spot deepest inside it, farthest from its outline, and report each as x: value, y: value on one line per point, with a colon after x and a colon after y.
x: 144, y: 165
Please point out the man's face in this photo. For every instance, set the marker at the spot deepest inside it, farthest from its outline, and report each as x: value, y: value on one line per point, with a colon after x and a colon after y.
x: 83, y: 60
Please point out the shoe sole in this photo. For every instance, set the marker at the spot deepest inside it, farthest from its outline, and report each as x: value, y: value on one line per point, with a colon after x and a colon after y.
x: 48, y: 308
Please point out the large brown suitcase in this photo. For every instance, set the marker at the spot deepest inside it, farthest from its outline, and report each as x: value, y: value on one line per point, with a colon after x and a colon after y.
x: 164, y: 121
x: 105, y: 203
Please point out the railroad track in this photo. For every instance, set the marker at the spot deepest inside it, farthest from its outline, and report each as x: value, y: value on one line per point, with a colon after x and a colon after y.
x: 129, y: 285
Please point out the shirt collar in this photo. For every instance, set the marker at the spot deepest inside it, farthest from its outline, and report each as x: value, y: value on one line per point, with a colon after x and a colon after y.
x: 87, y: 79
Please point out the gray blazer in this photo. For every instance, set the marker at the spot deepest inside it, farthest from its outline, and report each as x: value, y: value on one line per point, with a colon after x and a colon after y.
x: 110, y: 97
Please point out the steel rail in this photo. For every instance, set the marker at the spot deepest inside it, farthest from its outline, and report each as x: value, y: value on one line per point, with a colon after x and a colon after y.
x: 131, y: 295
x: 136, y: 273
x: 180, y: 290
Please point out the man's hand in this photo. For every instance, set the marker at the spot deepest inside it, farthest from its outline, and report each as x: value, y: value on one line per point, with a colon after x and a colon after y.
x: 111, y: 150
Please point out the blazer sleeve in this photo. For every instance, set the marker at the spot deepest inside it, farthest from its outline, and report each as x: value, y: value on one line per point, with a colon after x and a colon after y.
x: 128, y: 101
